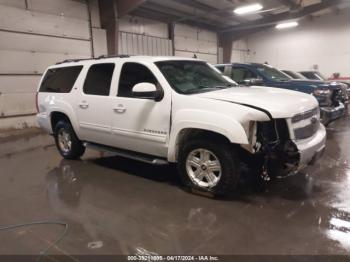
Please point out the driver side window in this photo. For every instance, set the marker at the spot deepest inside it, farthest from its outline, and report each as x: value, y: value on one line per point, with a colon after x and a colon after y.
x: 132, y: 74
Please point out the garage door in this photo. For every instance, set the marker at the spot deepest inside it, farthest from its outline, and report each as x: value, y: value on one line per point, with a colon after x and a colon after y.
x: 190, y: 41
x: 141, y: 36
x: 33, y: 35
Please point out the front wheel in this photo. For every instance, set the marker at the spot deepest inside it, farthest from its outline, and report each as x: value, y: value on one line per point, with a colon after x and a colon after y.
x: 67, y: 143
x: 209, y: 167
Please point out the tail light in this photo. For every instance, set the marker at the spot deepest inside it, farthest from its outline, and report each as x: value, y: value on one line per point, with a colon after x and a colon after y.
x: 37, y: 102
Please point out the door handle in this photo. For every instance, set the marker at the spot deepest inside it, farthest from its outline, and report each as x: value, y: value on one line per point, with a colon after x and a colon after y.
x: 119, y: 109
x: 83, y: 105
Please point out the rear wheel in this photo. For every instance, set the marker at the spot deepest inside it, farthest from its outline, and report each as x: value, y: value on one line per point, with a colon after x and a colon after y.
x: 67, y: 143
x: 209, y: 167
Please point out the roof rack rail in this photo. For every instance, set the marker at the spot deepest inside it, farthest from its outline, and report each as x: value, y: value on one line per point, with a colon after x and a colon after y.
x: 72, y: 60
x: 112, y: 56
x: 85, y: 59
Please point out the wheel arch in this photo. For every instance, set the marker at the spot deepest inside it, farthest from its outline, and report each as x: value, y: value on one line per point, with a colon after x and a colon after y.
x: 208, y: 132
x: 56, y: 116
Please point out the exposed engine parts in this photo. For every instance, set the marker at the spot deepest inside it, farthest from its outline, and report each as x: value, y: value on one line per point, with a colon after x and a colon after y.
x: 275, y: 153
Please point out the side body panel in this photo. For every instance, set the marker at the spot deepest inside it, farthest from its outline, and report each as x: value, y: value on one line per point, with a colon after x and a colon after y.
x: 138, y: 124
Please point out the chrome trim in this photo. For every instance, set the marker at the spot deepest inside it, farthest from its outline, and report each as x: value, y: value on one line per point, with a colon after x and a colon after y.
x: 305, y: 115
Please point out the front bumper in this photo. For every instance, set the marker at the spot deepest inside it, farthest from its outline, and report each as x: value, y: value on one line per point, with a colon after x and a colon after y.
x: 311, y: 149
x: 329, y: 114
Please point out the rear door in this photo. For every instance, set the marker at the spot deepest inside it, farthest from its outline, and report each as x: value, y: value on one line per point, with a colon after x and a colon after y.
x: 94, y: 106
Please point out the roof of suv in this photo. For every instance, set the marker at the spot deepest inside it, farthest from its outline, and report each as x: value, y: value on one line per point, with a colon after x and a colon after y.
x: 150, y: 59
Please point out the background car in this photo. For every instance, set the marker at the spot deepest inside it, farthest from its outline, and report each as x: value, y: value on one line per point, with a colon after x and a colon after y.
x: 293, y: 74
x: 313, y: 75
x: 316, y: 75
x: 330, y: 96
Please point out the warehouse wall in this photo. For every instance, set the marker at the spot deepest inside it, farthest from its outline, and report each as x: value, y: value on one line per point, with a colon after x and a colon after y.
x: 323, y: 42
x: 189, y: 40
x: 33, y: 35
x: 240, y: 51
x: 141, y: 36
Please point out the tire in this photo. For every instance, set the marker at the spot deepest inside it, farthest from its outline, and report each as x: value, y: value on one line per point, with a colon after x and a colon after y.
x: 226, y: 179
x: 67, y: 143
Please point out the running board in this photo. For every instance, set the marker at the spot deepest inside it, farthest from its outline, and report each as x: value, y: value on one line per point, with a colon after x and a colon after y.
x: 128, y: 154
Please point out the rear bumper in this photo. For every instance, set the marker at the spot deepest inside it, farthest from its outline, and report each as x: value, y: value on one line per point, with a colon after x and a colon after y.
x: 44, y: 122
x: 311, y: 149
x: 329, y: 114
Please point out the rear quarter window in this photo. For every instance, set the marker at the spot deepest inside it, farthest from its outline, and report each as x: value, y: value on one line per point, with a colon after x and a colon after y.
x: 60, y: 80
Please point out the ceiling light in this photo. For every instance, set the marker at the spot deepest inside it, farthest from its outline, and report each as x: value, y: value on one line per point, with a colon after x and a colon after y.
x: 246, y: 9
x: 287, y: 25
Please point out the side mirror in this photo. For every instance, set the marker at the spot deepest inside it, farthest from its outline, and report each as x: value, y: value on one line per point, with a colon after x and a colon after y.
x: 253, y: 82
x: 147, y: 91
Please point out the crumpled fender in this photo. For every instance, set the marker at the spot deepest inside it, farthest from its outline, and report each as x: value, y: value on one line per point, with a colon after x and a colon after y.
x: 205, y: 120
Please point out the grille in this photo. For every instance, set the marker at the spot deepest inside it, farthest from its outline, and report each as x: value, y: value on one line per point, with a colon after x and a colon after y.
x: 306, y: 131
x: 311, y: 127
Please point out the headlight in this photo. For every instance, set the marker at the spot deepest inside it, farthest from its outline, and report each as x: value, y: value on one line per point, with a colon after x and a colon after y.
x: 322, y: 92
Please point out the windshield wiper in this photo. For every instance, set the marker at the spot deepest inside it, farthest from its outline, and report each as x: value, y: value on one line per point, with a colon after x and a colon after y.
x: 226, y: 86
x: 200, y: 89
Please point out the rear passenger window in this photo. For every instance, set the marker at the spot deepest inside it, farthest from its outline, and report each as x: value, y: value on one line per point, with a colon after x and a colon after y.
x: 60, y: 80
x: 98, y: 79
x: 132, y: 74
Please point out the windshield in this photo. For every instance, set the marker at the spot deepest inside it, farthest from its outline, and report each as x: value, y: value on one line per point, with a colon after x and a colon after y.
x: 190, y: 77
x: 320, y: 76
x: 294, y: 75
x: 272, y: 73
x: 313, y: 75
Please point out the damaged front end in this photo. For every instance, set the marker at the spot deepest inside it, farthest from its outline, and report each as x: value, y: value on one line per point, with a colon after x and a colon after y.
x: 281, y: 147
x: 277, y: 154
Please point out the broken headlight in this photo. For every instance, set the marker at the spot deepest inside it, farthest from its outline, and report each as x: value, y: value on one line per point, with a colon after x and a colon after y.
x: 322, y: 92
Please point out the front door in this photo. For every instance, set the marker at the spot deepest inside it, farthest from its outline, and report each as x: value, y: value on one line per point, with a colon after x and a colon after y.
x: 140, y: 124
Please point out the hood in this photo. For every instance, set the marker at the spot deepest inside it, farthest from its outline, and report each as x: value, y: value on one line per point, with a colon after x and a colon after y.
x: 280, y: 103
x: 317, y: 83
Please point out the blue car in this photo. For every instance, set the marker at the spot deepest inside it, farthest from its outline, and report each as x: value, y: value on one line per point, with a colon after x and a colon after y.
x: 329, y: 96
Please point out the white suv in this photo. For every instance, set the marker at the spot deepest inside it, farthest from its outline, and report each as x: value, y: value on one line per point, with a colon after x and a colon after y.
x: 164, y: 110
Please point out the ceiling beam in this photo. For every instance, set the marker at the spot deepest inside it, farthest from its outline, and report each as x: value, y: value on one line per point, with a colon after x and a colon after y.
x: 201, y: 19
x: 126, y: 6
x: 170, y: 18
x: 195, y: 4
x: 274, y: 19
x: 290, y: 3
x: 221, y: 14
